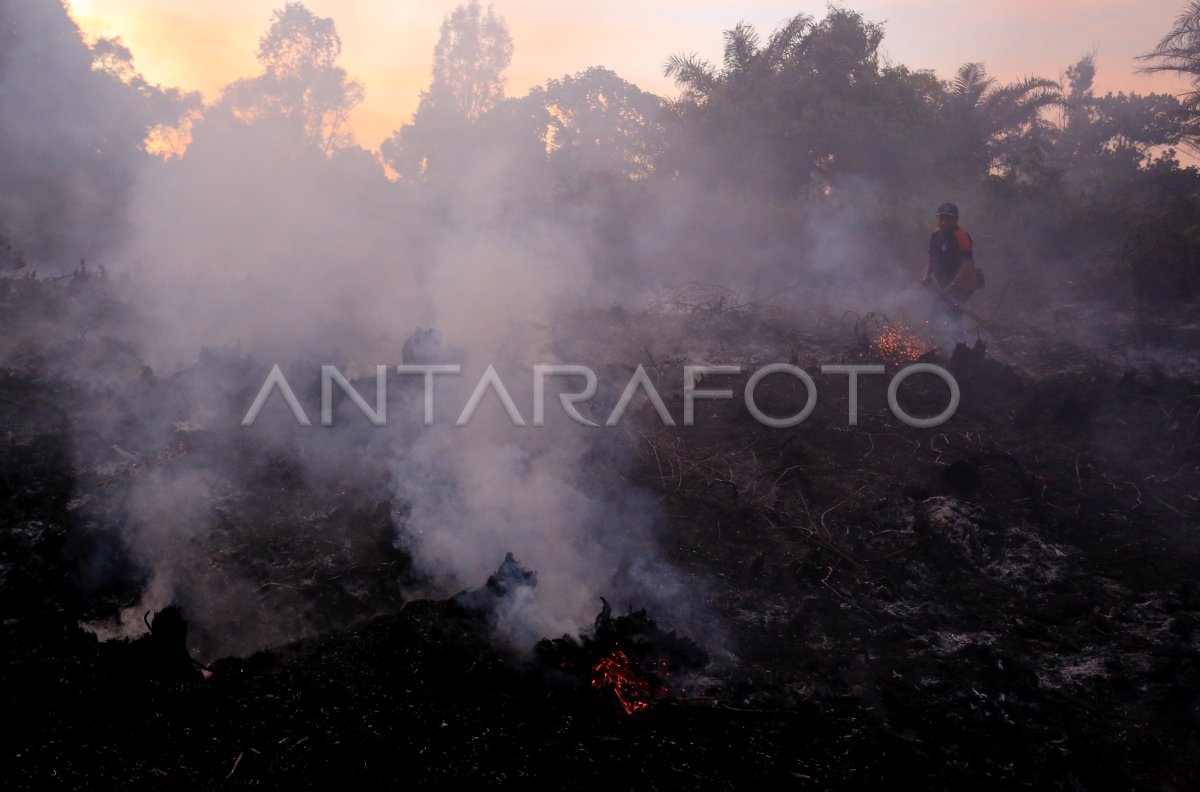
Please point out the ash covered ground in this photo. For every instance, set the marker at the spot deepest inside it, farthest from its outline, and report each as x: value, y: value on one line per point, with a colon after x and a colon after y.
x: 1006, y: 600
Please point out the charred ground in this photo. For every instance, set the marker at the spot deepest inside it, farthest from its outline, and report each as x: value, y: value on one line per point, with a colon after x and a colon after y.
x: 1007, y: 599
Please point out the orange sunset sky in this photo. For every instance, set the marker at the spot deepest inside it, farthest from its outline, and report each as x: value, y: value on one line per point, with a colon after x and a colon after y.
x: 388, y: 44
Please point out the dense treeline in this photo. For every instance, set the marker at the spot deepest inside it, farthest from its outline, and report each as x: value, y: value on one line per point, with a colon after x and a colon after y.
x: 801, y: 157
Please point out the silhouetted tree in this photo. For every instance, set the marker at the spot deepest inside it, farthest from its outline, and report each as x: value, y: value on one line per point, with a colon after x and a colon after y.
x: 74, y: 122
x: 595, y: 122
x: 806, y: 108
x: 1081, y: 76
x: 996, y: 126
x: 1105, y: 139
x: 169, y: 111
x: 1179, y: 52
x: 300, y: 88
x: 469, y: 60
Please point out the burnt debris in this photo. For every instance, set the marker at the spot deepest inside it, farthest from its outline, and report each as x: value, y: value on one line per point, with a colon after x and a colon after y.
x: 1005, y: 601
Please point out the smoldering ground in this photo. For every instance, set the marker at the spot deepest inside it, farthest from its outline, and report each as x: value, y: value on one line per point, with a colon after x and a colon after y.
x: 257, y: 243
x: 1003, y: 600
x: 270, y: 236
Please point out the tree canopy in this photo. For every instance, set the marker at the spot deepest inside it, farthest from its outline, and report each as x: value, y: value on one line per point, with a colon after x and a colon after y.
x: 472, y: 52
x: 300, y: 88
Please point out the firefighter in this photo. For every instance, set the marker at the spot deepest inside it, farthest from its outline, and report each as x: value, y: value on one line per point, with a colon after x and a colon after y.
x: 950, y: 271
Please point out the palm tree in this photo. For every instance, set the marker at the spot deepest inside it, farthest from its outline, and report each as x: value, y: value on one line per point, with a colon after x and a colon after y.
x: 744, y: 56
x: 996, y: 122
x: 695, y: 75
x: 736, y: 112
x: 1179, y: 52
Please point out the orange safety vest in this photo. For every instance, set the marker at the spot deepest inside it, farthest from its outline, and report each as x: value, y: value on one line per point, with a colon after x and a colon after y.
x: 954, y: 259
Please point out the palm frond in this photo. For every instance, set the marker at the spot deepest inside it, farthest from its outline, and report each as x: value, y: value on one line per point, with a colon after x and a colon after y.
x: 691, y: 72
x: 785, y: 40
x: 741, y: 47
x: 1186, y: 32
x: 971, y: 83
x: 1179, y: 49
x: 1039, y: 91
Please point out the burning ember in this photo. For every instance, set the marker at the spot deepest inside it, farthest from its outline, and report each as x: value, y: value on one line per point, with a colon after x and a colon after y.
x: 633, y: 690
x: 628, y: 655
x: 896, y: 341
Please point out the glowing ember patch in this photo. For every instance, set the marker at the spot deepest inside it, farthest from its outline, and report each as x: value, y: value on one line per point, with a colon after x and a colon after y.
x: 633, y: 690
x: 898, y: 342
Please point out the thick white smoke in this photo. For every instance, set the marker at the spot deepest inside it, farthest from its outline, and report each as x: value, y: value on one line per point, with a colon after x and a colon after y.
x: 274, y: 236
x: 256, y: 240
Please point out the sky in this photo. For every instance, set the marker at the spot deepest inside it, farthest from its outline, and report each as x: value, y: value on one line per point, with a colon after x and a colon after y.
x: 388, y: 44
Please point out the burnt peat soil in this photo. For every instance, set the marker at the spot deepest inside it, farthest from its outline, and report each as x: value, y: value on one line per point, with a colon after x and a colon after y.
x: 1006, y: 600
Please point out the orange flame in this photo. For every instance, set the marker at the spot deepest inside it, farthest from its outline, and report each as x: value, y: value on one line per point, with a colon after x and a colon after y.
x: 633, y: 691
